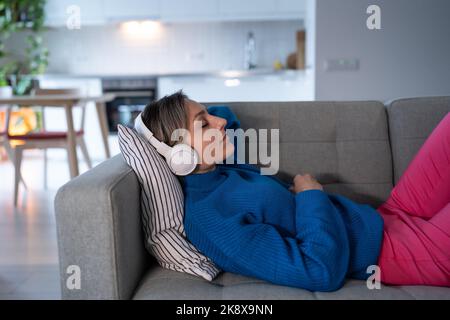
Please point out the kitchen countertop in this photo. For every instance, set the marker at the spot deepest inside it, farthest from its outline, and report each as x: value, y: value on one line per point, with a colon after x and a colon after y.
x: 219, y: 73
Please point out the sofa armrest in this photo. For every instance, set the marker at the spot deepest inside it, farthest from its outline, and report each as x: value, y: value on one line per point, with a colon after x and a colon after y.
x: 99, y: 230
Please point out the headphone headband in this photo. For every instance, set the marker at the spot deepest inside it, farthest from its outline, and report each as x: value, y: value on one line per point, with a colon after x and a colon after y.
x: 140, y: 127
x: 182, y: 159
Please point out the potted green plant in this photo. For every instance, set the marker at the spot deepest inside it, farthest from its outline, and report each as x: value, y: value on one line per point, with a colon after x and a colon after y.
x: 35, y: 63
x: 17, y: 72
x: 5, y: 67
x: 6, y: 90
x: 26, y: 16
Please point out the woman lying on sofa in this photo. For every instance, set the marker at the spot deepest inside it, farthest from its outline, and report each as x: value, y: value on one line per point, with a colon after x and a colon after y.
x: 298, y: 235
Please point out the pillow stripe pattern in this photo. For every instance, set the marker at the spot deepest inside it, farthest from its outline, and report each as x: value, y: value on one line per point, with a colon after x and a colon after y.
x: 162, y: 203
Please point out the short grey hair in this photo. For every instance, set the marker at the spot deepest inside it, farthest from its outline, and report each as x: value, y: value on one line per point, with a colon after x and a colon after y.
x: 164, y: 116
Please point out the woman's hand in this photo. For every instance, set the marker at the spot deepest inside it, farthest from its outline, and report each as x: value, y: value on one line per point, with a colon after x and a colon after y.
x: 305, y: 182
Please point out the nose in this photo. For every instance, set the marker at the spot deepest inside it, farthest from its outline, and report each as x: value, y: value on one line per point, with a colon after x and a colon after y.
x: 220, y: 123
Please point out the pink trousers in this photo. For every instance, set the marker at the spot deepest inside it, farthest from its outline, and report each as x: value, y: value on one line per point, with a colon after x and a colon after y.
x: 416, y: 243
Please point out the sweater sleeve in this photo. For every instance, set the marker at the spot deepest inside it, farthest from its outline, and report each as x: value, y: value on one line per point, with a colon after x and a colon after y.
x: 315, y: 259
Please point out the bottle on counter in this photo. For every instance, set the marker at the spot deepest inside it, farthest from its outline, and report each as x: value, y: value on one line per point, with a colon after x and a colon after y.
x: 250, y: 52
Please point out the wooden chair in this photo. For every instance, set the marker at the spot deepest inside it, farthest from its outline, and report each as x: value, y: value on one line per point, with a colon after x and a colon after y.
x: 4, y: 141
x: 45, y: 139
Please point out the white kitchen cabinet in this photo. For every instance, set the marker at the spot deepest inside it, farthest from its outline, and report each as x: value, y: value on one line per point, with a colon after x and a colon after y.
x: 120, y: 10
x: 192, y: 10
x: 231, y: 10
x: 58, y: 12
x: 100, y: 12
x: 288, y: 6
x: 261, y: 9
x: 276, y: 86
x: 249, y: 7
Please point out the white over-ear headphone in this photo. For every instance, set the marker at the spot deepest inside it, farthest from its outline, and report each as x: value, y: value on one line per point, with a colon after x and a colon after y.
x: 181, y: 158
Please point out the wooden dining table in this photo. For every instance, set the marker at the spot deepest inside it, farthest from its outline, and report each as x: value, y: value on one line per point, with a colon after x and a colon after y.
x: 68, y: 102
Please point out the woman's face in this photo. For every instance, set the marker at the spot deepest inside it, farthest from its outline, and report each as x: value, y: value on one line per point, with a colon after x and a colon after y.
x: 207, y: 135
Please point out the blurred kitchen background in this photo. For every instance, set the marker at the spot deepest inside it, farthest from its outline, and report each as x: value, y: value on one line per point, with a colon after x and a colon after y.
x: 215, y: 50
x: 233, y: 50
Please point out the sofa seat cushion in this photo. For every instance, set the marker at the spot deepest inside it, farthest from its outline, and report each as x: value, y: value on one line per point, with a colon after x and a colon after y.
x: 162, y: 284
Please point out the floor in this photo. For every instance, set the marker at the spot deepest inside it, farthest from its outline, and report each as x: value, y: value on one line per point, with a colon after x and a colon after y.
x: 28, y: 246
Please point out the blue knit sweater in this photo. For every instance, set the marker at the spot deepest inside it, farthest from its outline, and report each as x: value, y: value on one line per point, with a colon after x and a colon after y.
x: 253, y: 225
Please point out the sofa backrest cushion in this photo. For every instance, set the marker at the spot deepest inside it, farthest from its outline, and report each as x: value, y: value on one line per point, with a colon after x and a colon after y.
x: 410, y: 123
x: 345, y: 145
x: 162, y: 205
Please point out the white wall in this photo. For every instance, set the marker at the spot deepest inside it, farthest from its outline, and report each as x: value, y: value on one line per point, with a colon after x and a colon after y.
x: 409, y: 56
x: 173, y: 48
x: 310, y: 48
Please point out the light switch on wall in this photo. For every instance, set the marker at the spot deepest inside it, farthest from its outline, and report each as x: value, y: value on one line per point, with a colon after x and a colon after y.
x: 341, y: 65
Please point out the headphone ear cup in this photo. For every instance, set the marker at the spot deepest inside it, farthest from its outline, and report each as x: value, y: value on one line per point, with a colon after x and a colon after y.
x: 183, y: 159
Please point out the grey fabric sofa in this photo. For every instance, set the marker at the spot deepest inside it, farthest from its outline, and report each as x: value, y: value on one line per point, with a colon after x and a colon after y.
x: 358, y: 149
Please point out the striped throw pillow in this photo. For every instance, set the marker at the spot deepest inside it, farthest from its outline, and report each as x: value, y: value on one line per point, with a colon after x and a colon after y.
x: 162, y: 204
